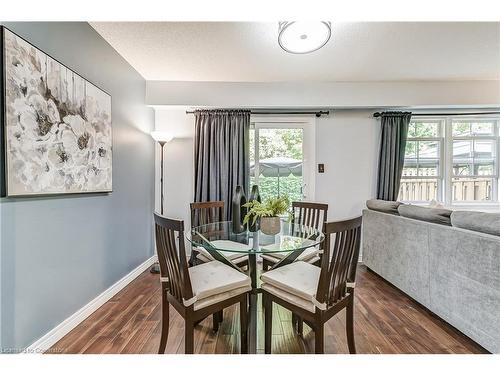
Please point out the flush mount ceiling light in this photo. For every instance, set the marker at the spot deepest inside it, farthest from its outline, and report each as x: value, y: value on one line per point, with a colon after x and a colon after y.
x: 304, y: 36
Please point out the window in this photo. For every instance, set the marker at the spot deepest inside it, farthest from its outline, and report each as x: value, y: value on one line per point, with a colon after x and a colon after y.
x: 453, y: 160
x: 421, y: 179
x: 474, y: 160
x: 282, y: 156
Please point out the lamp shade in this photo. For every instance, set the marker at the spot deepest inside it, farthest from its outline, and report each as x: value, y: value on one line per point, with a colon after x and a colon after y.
x: 160, y: 136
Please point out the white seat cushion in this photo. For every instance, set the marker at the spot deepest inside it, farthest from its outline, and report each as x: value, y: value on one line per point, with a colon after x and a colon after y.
x: 203, y: 258
x: 289, y: 297
x: 227, y: 254
x: 219, y: 297
x: 215, y: 278
x: 305, y: 256
x: 313, y: 260
x: 225, y: 244
x: 206, y: 259
x: 298, y: 278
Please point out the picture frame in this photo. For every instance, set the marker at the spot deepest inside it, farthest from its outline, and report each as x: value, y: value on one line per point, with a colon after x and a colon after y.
x: 55, y: 126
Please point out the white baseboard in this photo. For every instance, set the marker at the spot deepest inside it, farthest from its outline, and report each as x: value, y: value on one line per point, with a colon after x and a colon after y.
x: 62, y: 329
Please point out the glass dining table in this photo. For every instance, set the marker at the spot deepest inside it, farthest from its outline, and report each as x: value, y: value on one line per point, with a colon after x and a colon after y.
x: 221, y: 240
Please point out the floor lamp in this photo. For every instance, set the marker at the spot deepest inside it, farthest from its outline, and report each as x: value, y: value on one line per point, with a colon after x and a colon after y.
x: 161, y: 138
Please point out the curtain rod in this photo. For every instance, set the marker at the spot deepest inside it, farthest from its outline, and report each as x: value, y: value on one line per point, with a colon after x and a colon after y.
x: 378, y: 114
x: 316, y: 113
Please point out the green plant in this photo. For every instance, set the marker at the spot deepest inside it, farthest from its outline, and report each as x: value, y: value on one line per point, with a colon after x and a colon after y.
x: 269, y: 208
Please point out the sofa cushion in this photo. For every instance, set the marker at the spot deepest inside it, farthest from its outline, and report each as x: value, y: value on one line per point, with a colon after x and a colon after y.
x: 431, y: 215
x: 389, y: 207
x: 477, y: 221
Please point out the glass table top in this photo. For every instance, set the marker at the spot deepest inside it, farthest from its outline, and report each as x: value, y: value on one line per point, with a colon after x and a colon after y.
x: 221, y: 236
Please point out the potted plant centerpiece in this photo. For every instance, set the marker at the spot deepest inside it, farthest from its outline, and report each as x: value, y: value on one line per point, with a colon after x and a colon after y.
x: 268, y: 213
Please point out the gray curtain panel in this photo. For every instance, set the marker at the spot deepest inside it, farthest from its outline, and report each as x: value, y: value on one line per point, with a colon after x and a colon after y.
x: 221, y: 155
x: 392, y: 153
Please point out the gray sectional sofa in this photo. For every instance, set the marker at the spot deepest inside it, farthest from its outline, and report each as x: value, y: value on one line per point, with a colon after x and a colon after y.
x: 454, y: 272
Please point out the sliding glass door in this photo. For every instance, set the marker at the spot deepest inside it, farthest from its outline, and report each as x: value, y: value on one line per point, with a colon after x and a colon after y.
x: 281, y: 157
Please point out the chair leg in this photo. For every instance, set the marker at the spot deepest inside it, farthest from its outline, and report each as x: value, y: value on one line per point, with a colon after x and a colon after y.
x: 217, y: 318
x: 300, y: 326
x: 265, y: 264
x: 192, y: 259
x: 350, y: 325
x: 243, y: 325
x: 297, y: 324
x: 215, y: 322
x: 189, y: 337
x: 165, y: 310
x: 268, y: 323
x: 319, y: 339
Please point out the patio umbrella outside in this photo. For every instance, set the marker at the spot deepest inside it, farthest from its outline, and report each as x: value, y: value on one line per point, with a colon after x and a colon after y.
x: 278, y: 167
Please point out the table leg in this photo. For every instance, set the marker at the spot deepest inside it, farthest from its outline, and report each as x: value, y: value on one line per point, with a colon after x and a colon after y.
x: 252, y: 321
x: 252, y: 269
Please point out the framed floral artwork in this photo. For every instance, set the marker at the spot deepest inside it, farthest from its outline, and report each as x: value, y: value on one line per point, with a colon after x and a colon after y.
x: 56, y: 125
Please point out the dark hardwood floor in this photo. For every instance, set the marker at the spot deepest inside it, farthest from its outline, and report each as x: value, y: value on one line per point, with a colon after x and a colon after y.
x: 386, y: 321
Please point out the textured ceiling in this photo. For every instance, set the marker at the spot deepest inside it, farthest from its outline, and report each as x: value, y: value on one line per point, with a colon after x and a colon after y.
x: 247, y: 51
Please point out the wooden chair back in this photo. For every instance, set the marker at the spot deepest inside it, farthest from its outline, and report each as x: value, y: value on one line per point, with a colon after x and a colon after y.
x: 172, y: 257
x: 203, y: 213
x: 339, y: 261
x: 310, y: 214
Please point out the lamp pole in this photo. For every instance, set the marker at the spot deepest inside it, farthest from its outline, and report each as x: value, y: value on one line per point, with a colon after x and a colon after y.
x: 155, y: 268
x: 162, y: 143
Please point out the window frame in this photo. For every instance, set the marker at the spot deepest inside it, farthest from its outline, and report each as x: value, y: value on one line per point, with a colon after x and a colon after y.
x: 496, y: 144
x: 445, y: 179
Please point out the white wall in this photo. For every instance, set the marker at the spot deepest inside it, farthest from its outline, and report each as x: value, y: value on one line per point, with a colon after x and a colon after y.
x: 427, y: 94
x: 179, y: 163
x: 346, y: 142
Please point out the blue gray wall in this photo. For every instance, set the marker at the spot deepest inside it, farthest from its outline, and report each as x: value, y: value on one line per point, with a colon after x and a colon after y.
x: 59, y: 253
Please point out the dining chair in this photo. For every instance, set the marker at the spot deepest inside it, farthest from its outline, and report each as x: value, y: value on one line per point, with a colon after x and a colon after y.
x: 314, y: 293
x: 203, y: 213
x: 195, y: 292
x: 309, y: 214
